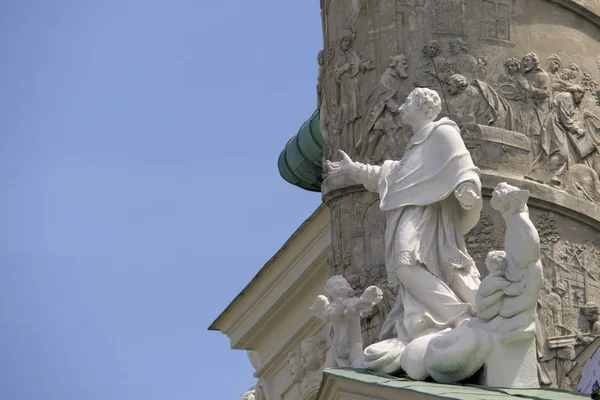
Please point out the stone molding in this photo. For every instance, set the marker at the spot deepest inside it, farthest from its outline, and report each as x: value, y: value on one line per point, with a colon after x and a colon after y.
x: 583, y: 8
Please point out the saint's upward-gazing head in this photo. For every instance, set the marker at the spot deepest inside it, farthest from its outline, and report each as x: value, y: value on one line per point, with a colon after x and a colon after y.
x: 420, y: 107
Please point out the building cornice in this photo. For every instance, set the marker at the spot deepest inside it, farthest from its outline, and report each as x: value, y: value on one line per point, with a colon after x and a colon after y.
x: 278, y: 283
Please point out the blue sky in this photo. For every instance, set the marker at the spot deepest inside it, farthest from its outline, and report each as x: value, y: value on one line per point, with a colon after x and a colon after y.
x: 138, y: 166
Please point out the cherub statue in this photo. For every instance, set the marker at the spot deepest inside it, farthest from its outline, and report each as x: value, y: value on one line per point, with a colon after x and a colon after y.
x: 488, y: 301
x: 343, y: 312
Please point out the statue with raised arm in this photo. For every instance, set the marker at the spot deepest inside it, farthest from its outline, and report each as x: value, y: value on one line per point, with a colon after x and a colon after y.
x: 507, y: 299
x: 431, y: 198
x: 343, y: 312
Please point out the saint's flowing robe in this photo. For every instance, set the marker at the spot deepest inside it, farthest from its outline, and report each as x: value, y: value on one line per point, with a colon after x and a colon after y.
x: 425, y: 250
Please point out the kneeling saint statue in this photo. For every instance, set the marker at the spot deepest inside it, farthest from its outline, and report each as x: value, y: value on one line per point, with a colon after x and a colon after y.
x: 431, y: 198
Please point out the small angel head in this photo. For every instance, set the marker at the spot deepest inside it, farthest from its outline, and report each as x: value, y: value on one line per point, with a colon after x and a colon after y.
x: 496, y: 261
x: 338, y: 287
x: 509, y: 200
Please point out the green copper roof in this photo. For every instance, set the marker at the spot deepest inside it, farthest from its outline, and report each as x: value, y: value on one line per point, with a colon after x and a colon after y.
x: 470, y: 392
x: 300, y: 163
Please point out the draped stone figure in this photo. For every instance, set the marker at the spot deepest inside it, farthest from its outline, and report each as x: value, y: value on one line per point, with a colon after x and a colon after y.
x: 460, y: 61
x: 474, y: 103
x: 559, y: 76
x: 431, y: 67
x: 431, y: 198
x: 565, y: 119
x: 382, y: 116
x: 349, y: 66
x: 537, y: 95
x: 511, y: 87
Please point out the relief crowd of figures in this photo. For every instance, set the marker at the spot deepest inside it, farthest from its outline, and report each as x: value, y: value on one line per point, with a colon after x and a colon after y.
x: 556, y: 108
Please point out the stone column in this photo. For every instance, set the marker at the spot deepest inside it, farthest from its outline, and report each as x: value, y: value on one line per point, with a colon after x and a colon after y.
x: 506, y: 109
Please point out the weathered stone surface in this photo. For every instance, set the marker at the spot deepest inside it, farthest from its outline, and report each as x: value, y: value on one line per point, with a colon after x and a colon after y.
x: 306, y: 364
x: 343, y: 311
x: 529, y: 116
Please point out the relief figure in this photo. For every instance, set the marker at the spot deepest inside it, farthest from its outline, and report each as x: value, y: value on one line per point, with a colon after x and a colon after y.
x: 382, y: 117
x: 460, y: 61
x: 511, y: 86
x: 430, y: 67
x: 474, y: 103
x: 536, y: 99
x: 348, y: 68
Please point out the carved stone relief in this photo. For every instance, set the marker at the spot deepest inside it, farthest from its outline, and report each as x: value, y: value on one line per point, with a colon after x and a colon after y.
x: 568, y: 318
x: 306, y: 363
x: 460, y: 61
x: 550, y: 108
x: 434, y: 72
x: 431, y: 67
x: 571, y: 290
x: 348, y: 67
x: 382, y: 117
x: 474, y: 103
x: 449, y: 17
x: 487, y: 234
x: 506, y: 117
x: 361, y: 236
x: 496, y: 21
x: 358, y: 112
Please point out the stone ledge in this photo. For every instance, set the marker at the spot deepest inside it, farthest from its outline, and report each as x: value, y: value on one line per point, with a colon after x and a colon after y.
x: 542, y: 196
x: 588, y: 9
x: 548, y: 198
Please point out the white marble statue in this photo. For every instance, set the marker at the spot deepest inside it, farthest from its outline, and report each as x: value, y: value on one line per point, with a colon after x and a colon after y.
x: 431, y: 198
x: 343, y: 312
x: 488, y: 301
x: 507, y: 298
x: 520, y: 272
x: 457, y: 354
x: 501, y: 339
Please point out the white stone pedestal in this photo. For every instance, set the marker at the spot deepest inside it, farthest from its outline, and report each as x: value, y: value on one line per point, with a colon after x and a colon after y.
x: 512, y: 365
